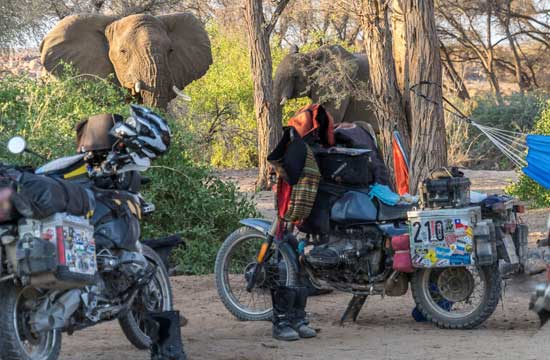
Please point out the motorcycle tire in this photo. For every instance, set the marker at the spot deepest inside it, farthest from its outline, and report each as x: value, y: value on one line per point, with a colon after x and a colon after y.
x: 131, y: 327
x: 442, y: 318
x: 227, y: 296
x: 11, y: 341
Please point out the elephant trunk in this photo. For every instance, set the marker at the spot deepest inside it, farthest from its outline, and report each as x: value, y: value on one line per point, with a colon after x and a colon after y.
x: 283, y: 91
x: 155, y: 88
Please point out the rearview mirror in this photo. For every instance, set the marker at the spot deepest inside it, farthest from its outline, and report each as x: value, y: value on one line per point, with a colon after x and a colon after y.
x: 16, y: 145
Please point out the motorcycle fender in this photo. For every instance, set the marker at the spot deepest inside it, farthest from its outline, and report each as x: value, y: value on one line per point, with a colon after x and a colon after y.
x: 261, y: 225
x: 287, y: 249
x: 164, y: 246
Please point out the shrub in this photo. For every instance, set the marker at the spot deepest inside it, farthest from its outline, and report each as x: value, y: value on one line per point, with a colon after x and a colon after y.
x: 188, y: 198
x: 221, y: 114
x: 517, y: 113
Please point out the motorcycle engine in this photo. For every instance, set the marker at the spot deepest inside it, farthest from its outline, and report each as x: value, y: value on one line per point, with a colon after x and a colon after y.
x: 352, y: 256
x: 122, y: 271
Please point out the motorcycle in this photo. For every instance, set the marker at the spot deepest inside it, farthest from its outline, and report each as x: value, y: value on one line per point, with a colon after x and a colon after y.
x: 448, y: 255
x: 64, y: 273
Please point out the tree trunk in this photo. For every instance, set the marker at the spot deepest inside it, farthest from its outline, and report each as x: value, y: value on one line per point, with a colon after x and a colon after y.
x: 266, y: 109
x: 429, y: 148
x: 512, y: 42
x: 386, y: 97
x: 399, y: 44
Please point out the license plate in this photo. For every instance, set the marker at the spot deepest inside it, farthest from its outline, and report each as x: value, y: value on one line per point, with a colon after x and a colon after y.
x: 441, y: 242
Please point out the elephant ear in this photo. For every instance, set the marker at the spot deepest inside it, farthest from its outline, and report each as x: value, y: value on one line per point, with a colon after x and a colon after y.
x: 78, y: 40
x: 192, y: 55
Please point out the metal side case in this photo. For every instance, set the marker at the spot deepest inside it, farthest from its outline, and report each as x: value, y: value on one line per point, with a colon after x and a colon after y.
x: 57, y: 252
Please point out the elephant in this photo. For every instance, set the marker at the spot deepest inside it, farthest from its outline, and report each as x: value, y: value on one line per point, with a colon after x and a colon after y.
x: 302, y: 74
x: 152, y: 56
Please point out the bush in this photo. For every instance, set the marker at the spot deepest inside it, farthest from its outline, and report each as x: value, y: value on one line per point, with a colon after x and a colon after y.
x: 188, y: 198
x: 221, y: 114
x: 525, y: 188
x: 517, y: 113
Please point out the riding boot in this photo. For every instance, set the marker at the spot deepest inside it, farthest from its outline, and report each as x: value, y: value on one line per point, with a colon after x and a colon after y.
x: 283, y: 299
x: 164, y: 330
x: 300, y: 322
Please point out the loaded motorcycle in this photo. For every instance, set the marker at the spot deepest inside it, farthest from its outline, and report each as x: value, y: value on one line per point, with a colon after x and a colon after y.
x: 448, y: 250
x: 70, y: 255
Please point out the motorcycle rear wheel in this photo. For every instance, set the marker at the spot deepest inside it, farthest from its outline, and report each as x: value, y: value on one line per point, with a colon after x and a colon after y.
x: 443, y: 306
x: 230, y: 266
x: 132, y: 323
x: 17, y: 341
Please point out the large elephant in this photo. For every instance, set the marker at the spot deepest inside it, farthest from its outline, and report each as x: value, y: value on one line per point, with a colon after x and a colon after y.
x: 153, y: 56
x: 322, y: 75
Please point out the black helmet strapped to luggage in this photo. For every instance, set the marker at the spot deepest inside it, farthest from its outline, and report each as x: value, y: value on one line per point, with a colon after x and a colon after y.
x: 144, y: 132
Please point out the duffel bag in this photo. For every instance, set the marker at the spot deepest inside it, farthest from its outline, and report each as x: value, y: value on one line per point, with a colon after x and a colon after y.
x: 345, y: 166
x: 40, y: 196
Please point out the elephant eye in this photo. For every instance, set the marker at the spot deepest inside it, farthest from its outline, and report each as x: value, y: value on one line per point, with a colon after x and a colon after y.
x: 171, y: 50
x: 123, y: 51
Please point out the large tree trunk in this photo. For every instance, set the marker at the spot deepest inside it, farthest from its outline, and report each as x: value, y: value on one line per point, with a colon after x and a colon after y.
x: 266, y: 109
x: 429, y: 148
x: 386, y: 97
x: 399, y: 44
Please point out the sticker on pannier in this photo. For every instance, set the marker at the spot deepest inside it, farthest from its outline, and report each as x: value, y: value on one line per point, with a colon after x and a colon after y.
x: 443, y: 238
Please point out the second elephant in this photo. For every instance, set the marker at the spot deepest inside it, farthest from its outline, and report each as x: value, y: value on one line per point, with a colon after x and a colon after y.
x: 311, y: 74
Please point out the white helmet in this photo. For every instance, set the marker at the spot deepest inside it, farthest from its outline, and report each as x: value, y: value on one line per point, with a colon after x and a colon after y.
x: 144, y: 132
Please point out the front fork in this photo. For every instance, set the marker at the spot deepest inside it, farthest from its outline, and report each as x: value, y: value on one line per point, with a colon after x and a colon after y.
x: 262, y: 255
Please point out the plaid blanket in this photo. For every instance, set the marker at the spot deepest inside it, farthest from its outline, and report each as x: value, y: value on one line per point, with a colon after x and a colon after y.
x: 304, y: 192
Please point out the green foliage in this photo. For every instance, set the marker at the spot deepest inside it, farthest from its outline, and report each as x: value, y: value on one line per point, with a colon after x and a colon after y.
x: 525, y: 188
x: 188, y: 198
x: 221, y: 113
x: 518, y: 112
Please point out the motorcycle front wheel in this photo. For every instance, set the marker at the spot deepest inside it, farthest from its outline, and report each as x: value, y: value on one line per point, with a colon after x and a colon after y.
x: 17, y: 340
x: 457, y: 297
x: 155, y: 297
x: 235, y: 263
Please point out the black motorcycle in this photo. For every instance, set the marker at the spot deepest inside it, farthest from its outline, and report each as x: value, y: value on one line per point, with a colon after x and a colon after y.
x: 448, y: 255
x: 69, y: 270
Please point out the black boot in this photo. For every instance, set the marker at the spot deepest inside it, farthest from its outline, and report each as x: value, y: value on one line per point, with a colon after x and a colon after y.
x: 299, y: 319
x: 164, y: 330
x: 283, y: 301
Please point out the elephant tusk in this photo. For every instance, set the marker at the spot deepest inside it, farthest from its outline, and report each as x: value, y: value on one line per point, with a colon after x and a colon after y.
x: 284, y: 100
x: 137, y: 87
x: 181, y: 94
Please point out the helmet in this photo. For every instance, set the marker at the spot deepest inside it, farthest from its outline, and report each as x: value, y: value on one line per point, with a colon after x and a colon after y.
x: 144, y: 132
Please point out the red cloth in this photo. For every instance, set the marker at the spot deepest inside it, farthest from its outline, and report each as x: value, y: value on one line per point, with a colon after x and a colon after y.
x: 308, y: 119
x: 284, y: 190
x: 400, y: 169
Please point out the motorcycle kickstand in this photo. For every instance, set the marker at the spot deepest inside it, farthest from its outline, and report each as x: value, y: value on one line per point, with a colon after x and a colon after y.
x: 354, y: 307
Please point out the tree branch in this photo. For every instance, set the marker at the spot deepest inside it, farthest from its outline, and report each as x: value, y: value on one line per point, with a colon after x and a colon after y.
x: 275, y: 17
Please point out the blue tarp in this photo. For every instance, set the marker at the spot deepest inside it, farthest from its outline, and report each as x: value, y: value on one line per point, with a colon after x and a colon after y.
x: 538, y: 159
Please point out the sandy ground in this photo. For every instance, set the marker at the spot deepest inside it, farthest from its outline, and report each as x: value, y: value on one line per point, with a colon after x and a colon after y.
x: 384, y: 330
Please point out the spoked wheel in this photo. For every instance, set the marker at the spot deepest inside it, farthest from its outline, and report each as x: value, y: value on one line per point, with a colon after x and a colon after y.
x: 17, y: 339
x: 236, y: 265
x: 154, y: 297
x: 457, y: 297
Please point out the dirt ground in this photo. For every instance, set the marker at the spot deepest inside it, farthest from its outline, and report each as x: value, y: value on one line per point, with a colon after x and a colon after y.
x: 384, y: 330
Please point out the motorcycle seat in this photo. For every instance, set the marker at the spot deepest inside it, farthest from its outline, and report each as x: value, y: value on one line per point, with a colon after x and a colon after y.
x: 390, y: 213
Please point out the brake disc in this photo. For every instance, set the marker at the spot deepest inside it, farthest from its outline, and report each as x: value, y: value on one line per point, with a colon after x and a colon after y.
x: 456, y: 284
